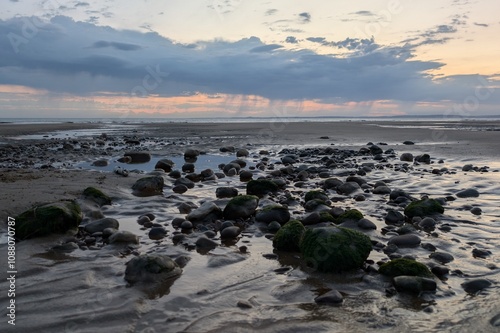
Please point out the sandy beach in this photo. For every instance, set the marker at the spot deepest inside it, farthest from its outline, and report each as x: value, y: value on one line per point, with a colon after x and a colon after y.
x: 245, y: 285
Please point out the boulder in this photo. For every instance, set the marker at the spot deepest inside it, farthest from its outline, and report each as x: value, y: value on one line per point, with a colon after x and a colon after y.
x: 97, y: 196
x: 138, y: 157
x: 414, y: 284
x: 206, y: 213
x: 273, y: 213
x: 100, y: 225
x: 151, y: 268
x: 164, y: 164
x: 261, y: 187
x: 57, y: 217
x: 123, y: 236
x: 402, y: 266
x: 423, y: 208
x: 148, y: 186
x: 241, y: 206
x: 288, y: 237
x: 335, y: 249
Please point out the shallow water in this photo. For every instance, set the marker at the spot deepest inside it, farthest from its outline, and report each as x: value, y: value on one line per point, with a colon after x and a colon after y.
x: 84, y: 291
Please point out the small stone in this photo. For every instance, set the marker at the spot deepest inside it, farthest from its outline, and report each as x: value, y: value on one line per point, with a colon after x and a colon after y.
x: 230, y: 232
x: 427, y: 223
x: 180, y: 189
x: 186, y: 225
x: 476, y: 211
x: 408, y: 240
x: 226, y: 192
x: 414, y: 284
x: 157, y: 233
x: 123, y: 236
x: 206, y: 243
x: 331, y: 297
x: 480, y: 253
x: 366, y: 224
x: 442, y: 257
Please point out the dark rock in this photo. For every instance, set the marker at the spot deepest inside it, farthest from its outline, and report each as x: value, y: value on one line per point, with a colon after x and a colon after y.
x: 331, y: 297
x: 148, y: 186
x: 66, y: 247
x: 273, y: 213
x: 332, y: 183
x: 406, y: 157
x: 151, y: 268
x: 480, y: 253
x: 402, y: 266
x: 414, y: 284
x: 427, y: 223
x: 138, y: 157
x: 335, y: 249
x: 188, y: 167
x: 394, y: 217
x: 442, y: 257
x: 366, y: 224
x: 408, y: 240
x: 100, y: 225
x: 100, y: 163
x: 164, y: 164
x: 157, y: 233
x: 468, y: 193
x: 180, y: 189
x: 242, y: 153
x: 230, y: 232
x: 43, y: 220
x: 246, y: 176
x: 348, y: 188
x: 97, y: 196
x: 226, y: 192
x: 352, y: 215
x: 382, y: 190
x: 476, y: 211
x: 288, y: 237
x: 468, y: 167
x: 424, y: 158
x: 123, y: 236
x: 241, y: 206
x: 273, y: 226
x: 476, y: 285
x: 423, y: 208
x: 205, y: 243
x: 186, y: 225
x: 207, y: 212
x: 261, y: 187
x: 184, y: 181
x: 191, y: 153
x: 311, y: 195
x: 407, y: 142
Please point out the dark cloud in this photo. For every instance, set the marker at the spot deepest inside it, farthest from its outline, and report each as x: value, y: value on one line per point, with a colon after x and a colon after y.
x: 291, y: 40
x: 116, y: 45
x: 58, y: 58
x: 305, y: 17
x: 270, y: 12
x: 14, y: 0
x: 363, y: 13
x: 481, y: 24
x: 82, y: 4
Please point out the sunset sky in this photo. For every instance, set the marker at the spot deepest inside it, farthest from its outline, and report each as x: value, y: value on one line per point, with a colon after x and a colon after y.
x: 216, y: 58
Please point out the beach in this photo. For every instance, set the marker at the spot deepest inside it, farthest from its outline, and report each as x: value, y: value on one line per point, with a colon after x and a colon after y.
x: 244, y: 284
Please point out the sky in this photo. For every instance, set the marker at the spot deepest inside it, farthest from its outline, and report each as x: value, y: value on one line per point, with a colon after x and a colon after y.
x: 242, y: 58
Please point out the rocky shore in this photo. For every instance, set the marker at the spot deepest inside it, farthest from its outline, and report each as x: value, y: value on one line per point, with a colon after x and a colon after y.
x: 332, y: 231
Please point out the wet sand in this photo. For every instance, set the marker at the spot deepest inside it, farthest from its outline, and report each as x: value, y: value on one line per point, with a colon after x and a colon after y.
x: 85, y: 290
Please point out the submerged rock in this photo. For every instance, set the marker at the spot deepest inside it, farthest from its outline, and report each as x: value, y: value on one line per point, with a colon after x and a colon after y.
x: 335, y: 249
x: 164, y: 164
x: 151, y: 268
x: 288, y: 237
x: 57, y: 217
x: 100, y: 225
x: 138, y: 157
x: 241, y: 207
x: 97, y: 196
x: 331, y: 297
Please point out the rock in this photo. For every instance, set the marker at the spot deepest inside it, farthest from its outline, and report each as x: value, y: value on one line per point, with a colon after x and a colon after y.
x: 332, y: 183
x: 402, y: 266
x: 406, y: 157
x: 476, y: 285
x: 366, y: 224
x: 311, y: 219
x: 407, y: 142
x: 261, y: 187
x: 273, y: 213
x: 125, y: 159
x: 311, y: 195
x: 120, y: 171
x: 184, y: 181
x: 476, y: 211
x: 242, y: 153
x: 408, y: 240
x: 424, y: 158
x: 331, y: 297
x: 394, y: 217
x: 273, y: 226
x: 442, y: 257
x: 242, y: 206
x: 348, y: 188
x: 151, y: 268
x: 191, y: 153
x: 180, y: 189
x: 227, y: 149
x: 226, y: 192
x: 97, y: 196
x: 246, y: 176
x: 468, y: 193
x: 230, y: 232
x: 352, y: 215
x: 185, y: 208
x: 427, y: 223
x: 414, y: 284
x: 205, y: 243
x: 175, y: 174
x: 57, y: 217
x: 382, y: 190
x: 164, y: 164
x: 157, y: 233
x: 335, y: 249
x: 289, y: 159
x: 186, y: 225
x: 66, y: 247
x: 468, y: 167
x: 288, y: 237
x: 148, y: 186
x: 423, y: 208
x: 207, y: 212
x: 123, y: 236
x: 100, y: 225
x: 138, y: 157
x: 244, y: 305
x: 374, y: 150
x: 100, y: 163
x: 480, y: 253
x: 188, y: 167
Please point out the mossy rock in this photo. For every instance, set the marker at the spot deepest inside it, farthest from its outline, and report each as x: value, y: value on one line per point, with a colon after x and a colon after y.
x: 315, y: 204
x: 241, y: 206
x: 97, y: 196
x: 288, y: 237
x: 423, y: 208
x: 350, y: 215
x: 311, y: 195
x: 326, y: 217
x: 402, y: 266
x: 151, y: 268
x: 261, y: 187
x: 58, y: 217
x: 273, y: 213
x: 335, y: 249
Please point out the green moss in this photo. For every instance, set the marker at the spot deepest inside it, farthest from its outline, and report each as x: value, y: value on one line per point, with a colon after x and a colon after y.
x: 91, y: 193
x: 424, y: 207
x: 335, y: 249
x: 241, y: 200
x: 46, y: 219
x: 311, y: 195
x: 313, y: 204
x: 350, y: 215
x: 241, y: 206
x: 402, y: 266
x: 289, y: 236
x: 261, y: 187
x: 326, y: 217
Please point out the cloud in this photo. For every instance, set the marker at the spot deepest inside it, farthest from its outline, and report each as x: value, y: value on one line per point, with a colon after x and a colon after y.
x: 305, y: 17
x: 291, y: 40
x: 481, y: 24
x: 271, y: 12
x: 81, y: 59
x: 82, y: 4
x: 363, y: 13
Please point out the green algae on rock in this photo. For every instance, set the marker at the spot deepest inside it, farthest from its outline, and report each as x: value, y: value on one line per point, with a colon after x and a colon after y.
x: 350, y: 215
x: 97, y: 196
x: 273, y: 212
x: 57, y: 217
x: 402, y: 266
x: 335, y: 249
x: 423, y: 208
x: 288, y: 237
x: 241, y: 206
